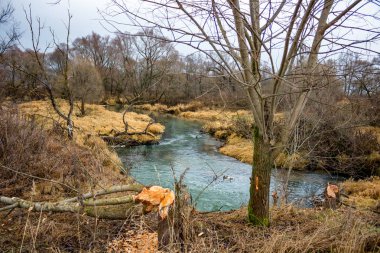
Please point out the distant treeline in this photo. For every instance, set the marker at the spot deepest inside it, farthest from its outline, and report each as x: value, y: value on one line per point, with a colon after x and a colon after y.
x: 144, y: 68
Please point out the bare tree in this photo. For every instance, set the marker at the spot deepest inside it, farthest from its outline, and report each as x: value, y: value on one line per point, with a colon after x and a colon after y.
x: 361, y: 77
x: 8, y: 36
x: 153, y: 57
x: 239, y: 35
x: 85, y: 83
x: 8, y: 28
x: 45, y: 78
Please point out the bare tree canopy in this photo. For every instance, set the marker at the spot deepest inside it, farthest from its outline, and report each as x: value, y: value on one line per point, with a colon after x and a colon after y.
x: 8, y: 28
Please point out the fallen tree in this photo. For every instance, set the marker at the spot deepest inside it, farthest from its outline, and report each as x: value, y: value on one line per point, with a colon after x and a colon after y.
x: 88, y: 204
x: 125, y: 137
x: 121, y: 207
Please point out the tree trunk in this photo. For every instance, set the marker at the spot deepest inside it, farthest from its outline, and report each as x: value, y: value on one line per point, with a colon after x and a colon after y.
x: 82, y: 110
x: 258, y: 205
x: 70, y: 129
x: 120, y: 208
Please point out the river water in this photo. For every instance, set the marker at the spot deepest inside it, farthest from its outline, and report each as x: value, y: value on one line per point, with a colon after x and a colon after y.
x: 183, y: 146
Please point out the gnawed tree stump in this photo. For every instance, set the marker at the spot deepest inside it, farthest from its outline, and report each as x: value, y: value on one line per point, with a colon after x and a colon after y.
x: 160, y: 199
x: 332, y: 196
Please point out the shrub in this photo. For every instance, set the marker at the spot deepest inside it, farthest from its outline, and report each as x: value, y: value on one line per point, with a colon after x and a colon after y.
x: 40, y: 155
x: 349, y: 151
x: 242, y: 126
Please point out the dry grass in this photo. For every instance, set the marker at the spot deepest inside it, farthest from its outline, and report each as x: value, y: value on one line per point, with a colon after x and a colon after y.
x: 97, y: 121
x: 363, y: 193
x: 239, y: 148
x: 46, y: 232
x: 292, y: 230
x: 371, y: 129
x: 153, y: 108
x: 177, y: 109
x: 28, y: 148
x: 135, y: 242
x: 294, y: 161
x: 215, y: 115
x: 32, y: 150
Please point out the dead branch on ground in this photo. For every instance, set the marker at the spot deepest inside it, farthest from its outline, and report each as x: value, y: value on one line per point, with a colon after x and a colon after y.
x: 107, y: 208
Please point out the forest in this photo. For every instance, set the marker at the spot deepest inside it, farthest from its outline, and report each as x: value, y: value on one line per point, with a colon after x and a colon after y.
x: 263, y: 135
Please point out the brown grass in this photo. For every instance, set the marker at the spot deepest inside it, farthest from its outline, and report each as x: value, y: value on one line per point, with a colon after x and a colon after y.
x: 371, y: 129
x: 28, y: 148
x: 297, y: 161
x: 292, y: 230
x: 153, y: 108
x: 97, y: 121
x: 47, y: 232
x: 239, y: 148
x: 177, y: 109
x: 363, y: 193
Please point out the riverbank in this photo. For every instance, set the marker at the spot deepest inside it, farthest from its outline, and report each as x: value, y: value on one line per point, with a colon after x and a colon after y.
x: 98, y: 121
x: 292, y: 230
x: 45, y: 153
x: 38, y: 163
x: 231, y: 126
x: 234, y: 128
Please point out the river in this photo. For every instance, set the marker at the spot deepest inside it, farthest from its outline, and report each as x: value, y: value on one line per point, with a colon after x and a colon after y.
x: 183, y: 146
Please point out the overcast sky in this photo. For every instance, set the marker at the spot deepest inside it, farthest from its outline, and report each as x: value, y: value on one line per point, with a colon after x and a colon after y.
x: 85, y: 17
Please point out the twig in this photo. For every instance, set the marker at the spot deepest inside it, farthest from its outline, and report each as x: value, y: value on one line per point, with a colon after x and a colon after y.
x: 215, y: 178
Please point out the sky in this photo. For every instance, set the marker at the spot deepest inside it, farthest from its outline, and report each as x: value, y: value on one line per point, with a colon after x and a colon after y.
x: 85, y: 18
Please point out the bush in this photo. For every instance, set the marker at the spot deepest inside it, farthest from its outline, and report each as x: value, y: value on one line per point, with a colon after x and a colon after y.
x: 40, y: 155
x: 242, y: 126
x: 348, y: 151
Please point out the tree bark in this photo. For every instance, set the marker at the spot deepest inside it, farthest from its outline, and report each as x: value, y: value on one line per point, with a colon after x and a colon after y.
x: 119, y: 208
x: 258, y: 205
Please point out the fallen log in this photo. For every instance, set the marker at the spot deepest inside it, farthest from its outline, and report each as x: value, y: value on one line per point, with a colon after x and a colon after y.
x: 107, y: 208
x: 113, y: 189
x: 114, y: 208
